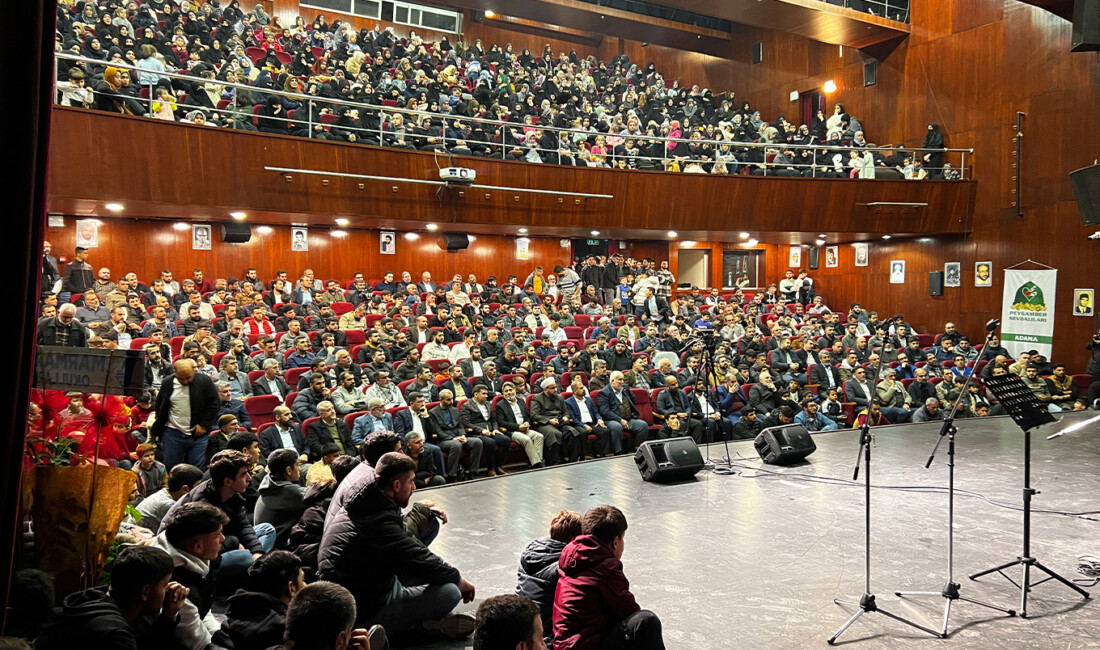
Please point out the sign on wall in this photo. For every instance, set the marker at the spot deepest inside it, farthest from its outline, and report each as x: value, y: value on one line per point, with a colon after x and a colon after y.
x: 1027, y: 311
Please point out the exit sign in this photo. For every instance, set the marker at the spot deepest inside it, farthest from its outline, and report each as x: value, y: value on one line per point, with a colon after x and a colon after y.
x: 593, y: 242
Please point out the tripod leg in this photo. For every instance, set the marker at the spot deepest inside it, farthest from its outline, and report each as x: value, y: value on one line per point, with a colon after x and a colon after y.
x: 1025, y: 587
x: 917, y: 593
x: 1061, y: 579
x: 909, y: 623
x: 831, y: 640
x: 946, y: 617
x: 1010, y: 612
x: 975, y: 576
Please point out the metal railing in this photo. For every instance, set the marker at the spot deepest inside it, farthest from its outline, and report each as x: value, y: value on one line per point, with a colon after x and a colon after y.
x: 893, y: 9
x: 509, y: 140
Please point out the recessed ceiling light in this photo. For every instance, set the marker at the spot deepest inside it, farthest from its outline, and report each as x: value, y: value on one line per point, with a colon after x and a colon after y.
x: 489, y: 13
x: 342, y: 221
x: 886, y: 236
x: 238, y: 215
x: 687, y: 242
x: 265, y: 230
x: 822, y: 235
x: 432, y: 226
x: 115, y: 207
x: 820, y: 242
x: 595, y: 233
x: 471, y: 238
x: 673, y: 234
x: 522, y: 231
x: 179, y: 225
x: 412, y: 236
x: 339, y: 233
x: 743, y: 235
x: 752, y: 242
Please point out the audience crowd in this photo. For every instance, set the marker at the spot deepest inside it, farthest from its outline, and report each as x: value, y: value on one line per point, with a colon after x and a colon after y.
x: 434, y: 96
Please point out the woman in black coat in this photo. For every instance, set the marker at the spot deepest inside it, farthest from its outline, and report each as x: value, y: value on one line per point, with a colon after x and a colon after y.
x: 933, y: 160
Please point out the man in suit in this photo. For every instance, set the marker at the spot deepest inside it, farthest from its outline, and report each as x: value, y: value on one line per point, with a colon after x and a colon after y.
x: 616, y: 406
x: 424, y: 385
x: 187, y: 405
x: 328, y: 429
x: 448, y: 433
x: 227, y: 404
x: 587, y: 421
x: 426, y: 285
x: 473, y: 366
x: 561, y: 441
x: 305, y: 404
x: 513, y: 418
x: 787, y: 363
x: 458, y: 386
x: 272, y: 383
x: 490, y: 379
x: 479, y: 420
x: 415, y: 418
x: 376, y: 419
x: 284, y: 434
x: 673, y: 401
x: 50, y: 270
x: 239, y: 386
x: 858, y: 390
x: 824, y: 373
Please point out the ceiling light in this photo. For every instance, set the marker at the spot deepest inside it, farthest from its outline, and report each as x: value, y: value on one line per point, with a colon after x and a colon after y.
x: 432, y: 226
x: 752, y: 242
x: 339, y: 233
x: 822, y: 235
x: 342, y: 221
x: 743, y: 235
x: 265, y: 230
x: 820, y: 242
x: 412, y: 236
x: 830, y: 86
x: 595, y: 233
x: 179, y: 225
x: 687, y: 242
x: 471, y: 238
x: 886, y: 236
x: 672, y: 234
x: 522, y: 231
x: 238, y: 215
x: 489, y: 13
x: 114, y: 207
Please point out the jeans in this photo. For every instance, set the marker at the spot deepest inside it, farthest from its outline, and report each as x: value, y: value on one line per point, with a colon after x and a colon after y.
x: 180, y: 447
x: 408, y: 607
x: 235, y: 564
x: 639, y: 631
x: 896, y: 414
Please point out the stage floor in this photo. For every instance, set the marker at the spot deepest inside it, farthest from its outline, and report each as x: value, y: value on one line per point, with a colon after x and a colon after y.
x: 738, y: 561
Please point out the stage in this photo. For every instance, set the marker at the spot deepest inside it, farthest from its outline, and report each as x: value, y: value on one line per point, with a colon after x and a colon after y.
x: 736, y: 561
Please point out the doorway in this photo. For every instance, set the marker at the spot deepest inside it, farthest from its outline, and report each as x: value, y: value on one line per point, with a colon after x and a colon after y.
x: 811, y: 102
x: 694, y: 268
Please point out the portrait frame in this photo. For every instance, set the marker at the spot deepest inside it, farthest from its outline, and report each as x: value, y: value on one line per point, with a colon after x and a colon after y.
x: 387, y: 243
x: 862, y: 254
x: 987, y: 281
x: 897, y: 271
x: 299, y: 239
x: 794, y: 257
x: 1090, y: 295
x: 832, y: 257
x: 87, y: 233
x: 201, y: 239
x: 952, y: 274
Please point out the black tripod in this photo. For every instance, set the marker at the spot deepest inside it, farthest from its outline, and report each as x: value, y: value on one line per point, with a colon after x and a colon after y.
x: 709, y: 339
x: 867, y: 602
x: 950, y: 589
x: 1029, y: 413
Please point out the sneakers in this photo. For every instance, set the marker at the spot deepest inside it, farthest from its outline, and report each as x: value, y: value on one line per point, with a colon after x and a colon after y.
x: 452, y: 626
x: 377, y: 638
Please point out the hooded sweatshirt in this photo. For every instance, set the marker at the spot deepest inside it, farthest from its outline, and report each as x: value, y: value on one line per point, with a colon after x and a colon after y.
x: 538, y: 577
x: 92, y: 619
x: 592, y: 594
x: 196, y: 623
x: 280, y: 504
x: 254, y: 620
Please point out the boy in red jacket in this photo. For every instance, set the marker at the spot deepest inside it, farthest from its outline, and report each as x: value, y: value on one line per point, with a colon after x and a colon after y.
x: 593, y: 606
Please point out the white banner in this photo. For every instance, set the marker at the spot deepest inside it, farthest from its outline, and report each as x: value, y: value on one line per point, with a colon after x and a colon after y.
x: 1027, y: 312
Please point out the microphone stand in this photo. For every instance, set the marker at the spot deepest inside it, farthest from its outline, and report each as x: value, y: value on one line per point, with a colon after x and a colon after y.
x: 950, y: 589
x: 867, y: 602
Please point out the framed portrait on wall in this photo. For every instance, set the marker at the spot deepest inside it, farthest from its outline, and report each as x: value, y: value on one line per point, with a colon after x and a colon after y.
x: 861, y: 254
x: 832, y: 257
x: 897, y: 271
x: 983, y: 274
x: 523, y: 248
x: 1083, y: 302
x: 952, y: 274
x: 200, y: 237
x: 387, y: 243
x: 87, y: 233
x: 795, y: 257
x: 299, y: 239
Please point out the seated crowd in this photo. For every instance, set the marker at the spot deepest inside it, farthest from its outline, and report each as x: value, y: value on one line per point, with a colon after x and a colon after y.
x: 433, y: 96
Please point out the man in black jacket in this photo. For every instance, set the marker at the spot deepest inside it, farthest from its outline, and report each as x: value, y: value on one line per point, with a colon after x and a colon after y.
x: 63, y: 330
x: 256, y: 617
x: 448, y: 432
x: 328, y: 429
x: 367, y: 546
x: 187, y: 405
x: 538, y: 567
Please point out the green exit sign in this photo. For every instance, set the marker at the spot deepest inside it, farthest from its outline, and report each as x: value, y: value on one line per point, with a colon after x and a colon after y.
x: 593, y: 242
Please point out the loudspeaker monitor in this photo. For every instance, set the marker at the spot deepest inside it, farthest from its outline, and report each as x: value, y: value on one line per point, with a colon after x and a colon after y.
x: 757, y: 53
x: 236, y: 233
x: 663, y: 461
x: 1086, y: 187
x: 870, y: 73
x: 935, y: 283
x: 456, y: 241
x: 1086, y: 26
x: 785, y: 444
x: 815, y: 257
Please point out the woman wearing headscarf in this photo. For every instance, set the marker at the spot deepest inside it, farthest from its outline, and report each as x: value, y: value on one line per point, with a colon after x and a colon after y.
x: 108, y: 96
x: 93, y: 49
x: 261, y: 16
x: 933, y: 160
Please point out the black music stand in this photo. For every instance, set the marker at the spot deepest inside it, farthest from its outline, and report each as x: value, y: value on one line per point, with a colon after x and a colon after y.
x: 1028, y: 412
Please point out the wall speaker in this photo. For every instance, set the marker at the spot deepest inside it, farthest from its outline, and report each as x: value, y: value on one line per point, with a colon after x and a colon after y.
x: 236, y: 233
x: 935, y: 283
x: 757, y: 52
x: 784, y: 445
x: 1086, y: 26
x: 870, y: 73
x: 1086, y: 187
x: 455, y: 241
x: 664, y: 461
x: 815, y: 257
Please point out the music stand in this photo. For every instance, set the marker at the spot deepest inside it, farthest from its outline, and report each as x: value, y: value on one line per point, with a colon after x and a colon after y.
x: 1028, y: 413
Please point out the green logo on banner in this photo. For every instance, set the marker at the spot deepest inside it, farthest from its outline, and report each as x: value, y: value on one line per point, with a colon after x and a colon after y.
x: 1029, y: 297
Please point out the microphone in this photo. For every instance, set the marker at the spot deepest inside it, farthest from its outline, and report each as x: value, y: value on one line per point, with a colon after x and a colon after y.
x: 992, y: 325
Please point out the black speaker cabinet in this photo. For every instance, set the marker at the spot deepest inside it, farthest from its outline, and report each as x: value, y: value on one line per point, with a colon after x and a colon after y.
x: 935, y: 283
x: 236, y: 233
x: 1086, y: 187
x: 757, y: 53
x: 664, y: 461
x: 785, y: 444
x: 456, y: 241
x: 870, y: 73
x: 815, y: 257
x: 1086, y: 26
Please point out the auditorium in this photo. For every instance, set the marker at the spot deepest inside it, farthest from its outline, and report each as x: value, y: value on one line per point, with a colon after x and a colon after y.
x: 401, y: 323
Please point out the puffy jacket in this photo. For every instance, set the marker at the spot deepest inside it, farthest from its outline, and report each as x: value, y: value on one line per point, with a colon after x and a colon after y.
x: 367, y: 545
x: 592, y: 595
x: 254, y: 621
x: 280, y: 504
x: 538, y: 577
x: 305, y: 535
x: 239, y: 529
x: 92, y: 619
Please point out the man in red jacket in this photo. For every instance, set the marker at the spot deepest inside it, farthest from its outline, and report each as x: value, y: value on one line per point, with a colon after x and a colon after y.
x: 593, y: 606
